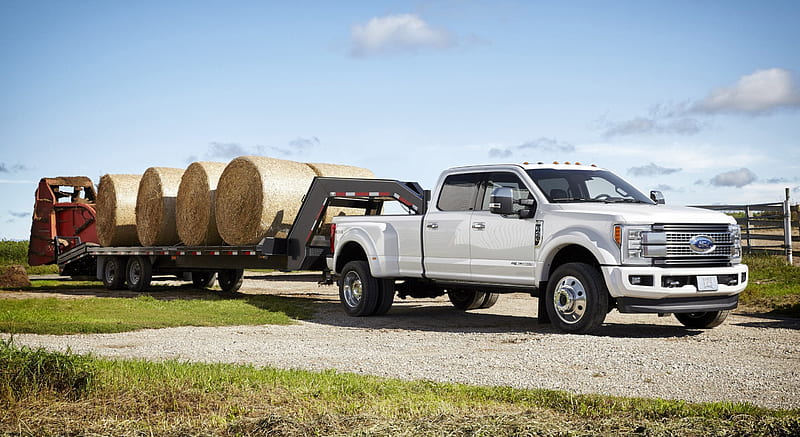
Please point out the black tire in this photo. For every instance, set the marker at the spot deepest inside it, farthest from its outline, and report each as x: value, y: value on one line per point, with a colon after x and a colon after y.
x: 577, y: 298
x: 359, y: 291
x: 491, y: 299
x: 114, y: 273
x: 204, y: 279
x: 385, y: 297
x: 466, y: 299
x: 706, y: 320
x: 138, y: 273
x: 230, y: 281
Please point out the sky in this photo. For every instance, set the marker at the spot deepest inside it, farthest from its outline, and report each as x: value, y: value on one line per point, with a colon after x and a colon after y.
x: 700, y: 100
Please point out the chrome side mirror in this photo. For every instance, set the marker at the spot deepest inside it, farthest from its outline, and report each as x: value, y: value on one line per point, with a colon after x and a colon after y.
x: 657, y: 197
x: 502, y: 201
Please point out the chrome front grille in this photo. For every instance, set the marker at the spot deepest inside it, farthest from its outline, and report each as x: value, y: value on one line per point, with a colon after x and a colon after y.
x: 680, y: 252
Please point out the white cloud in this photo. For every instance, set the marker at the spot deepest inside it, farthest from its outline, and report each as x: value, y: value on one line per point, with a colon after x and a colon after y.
x: 734, y: 178
x: 396, y: 33
x: 756, y: 93
x: 652, y: 169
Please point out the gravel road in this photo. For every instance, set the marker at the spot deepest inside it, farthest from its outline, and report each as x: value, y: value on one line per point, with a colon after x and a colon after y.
x: 750, y: 358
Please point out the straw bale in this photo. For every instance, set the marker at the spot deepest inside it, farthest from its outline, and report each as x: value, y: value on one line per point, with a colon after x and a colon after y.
x: 14, y: 276
x: 155, y: 206
x: 259, y: 197
x: 341, y: 171
x: 194, y: 212
x: 116, y: 210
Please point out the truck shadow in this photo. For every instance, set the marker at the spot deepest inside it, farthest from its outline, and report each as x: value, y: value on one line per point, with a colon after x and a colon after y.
x: 446, y: 319
x: 770, y: 320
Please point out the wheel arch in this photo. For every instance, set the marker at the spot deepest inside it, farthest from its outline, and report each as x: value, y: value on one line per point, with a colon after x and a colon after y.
x: 349, y: 251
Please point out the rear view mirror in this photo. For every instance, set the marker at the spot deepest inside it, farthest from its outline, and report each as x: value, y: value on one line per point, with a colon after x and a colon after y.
x: 502, y: 201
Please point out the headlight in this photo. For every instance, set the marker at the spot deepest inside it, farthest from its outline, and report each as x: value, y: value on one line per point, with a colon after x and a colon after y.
x: 736, y: 248
x: 632, y: 244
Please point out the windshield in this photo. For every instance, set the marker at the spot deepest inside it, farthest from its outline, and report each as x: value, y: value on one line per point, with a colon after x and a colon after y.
x: 561, y: 186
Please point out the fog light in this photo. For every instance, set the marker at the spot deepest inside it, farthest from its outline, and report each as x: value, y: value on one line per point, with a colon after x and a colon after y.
x: 646, y: 280
x: 744, y: 277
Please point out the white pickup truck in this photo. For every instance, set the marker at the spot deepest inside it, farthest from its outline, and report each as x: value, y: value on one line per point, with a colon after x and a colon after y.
x: 579, y: 237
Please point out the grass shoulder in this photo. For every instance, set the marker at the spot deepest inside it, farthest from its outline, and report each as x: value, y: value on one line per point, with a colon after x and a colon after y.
x: 86, y: 395
x: 117, y: 314
x: 774, y: 286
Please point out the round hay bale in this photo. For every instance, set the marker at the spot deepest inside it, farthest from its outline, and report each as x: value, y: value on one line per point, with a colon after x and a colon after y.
x: 194, y: 211
x: 341, y: 171
x: 116, y: 210
x: 259, y: 197
x: 155, y: 206
x: 14, y: 276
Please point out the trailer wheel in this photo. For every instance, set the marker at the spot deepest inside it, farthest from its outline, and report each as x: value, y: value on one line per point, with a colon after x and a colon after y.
x: 230, y: 281
x: 466, y: 299
x: 706, y: 320
x: 385, y: 297
x: 204, y: 279
x: 577, y: 298
x: 114, y: 273
x: 139, y: 273
x: 358, y: 289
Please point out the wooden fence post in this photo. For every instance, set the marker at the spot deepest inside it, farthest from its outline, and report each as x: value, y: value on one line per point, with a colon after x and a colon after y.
x: 747, y: 227
x: 787, y: 227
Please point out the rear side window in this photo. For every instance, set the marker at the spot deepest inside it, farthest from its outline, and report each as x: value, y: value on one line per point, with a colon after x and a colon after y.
x: 459, y: 192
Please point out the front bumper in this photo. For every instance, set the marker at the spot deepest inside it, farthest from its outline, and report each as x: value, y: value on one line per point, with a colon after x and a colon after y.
x: 618, y: 280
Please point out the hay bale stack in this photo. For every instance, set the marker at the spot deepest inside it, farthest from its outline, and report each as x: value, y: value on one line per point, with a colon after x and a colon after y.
x: 155, y: 206
x: 116, y: 210
x: 194, y: 213
x: 14, y: 276
x: 341, y: 171
x: 259, y: 197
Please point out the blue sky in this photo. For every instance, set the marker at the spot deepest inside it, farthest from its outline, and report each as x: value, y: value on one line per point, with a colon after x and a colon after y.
x: 698, y: 99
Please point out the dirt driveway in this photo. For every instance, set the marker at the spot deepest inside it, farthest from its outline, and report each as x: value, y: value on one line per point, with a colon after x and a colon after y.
x: 750, y: 358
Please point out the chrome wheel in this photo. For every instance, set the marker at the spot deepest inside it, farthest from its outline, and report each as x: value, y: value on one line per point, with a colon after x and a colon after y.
x: 352, y: 289
x: 569, y: 300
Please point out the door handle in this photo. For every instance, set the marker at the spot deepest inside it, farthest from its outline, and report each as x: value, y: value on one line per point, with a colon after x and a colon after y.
x: 432, y: 226
x: 479, y: 226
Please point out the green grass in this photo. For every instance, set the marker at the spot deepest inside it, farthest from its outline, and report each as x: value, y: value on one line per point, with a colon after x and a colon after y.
x: 134, y: 397
x: 105, y: 315
x: 774, y: 285
x: 16, y: 252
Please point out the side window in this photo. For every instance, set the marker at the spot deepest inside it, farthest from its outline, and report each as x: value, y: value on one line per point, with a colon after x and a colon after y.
x: 496, y: 180
x: 459, y: 192
x: 555, y: 188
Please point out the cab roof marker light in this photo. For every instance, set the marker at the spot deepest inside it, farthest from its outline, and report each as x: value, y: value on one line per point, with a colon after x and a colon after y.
x: 566, y: 162
x: 555, y: 162
x: 577, y: 163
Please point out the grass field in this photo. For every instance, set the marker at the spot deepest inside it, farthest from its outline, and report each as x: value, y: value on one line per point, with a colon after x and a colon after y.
x: 49, y: 393
x: 16, y: 252
x: 774, y: 285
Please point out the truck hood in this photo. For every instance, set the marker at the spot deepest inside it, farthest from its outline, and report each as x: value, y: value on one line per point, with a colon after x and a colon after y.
x: 638, y: 213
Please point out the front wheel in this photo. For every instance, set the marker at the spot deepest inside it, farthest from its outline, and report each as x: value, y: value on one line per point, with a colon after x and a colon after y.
x: 359, y: 291
x: 230, y: 280
x: 203, y: 279
x: 114, y: 273
x: 577, y: 298
x: 706, y: 320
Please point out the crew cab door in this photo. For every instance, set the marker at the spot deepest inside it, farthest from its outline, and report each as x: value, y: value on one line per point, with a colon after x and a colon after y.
x: 446, y: 228
x: 502, y: 247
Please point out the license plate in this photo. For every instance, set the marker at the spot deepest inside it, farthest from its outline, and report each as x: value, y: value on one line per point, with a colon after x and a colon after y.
x: 707, y: 283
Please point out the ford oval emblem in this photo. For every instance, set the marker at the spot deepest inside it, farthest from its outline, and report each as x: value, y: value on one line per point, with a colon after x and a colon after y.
x: 701, y: 244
